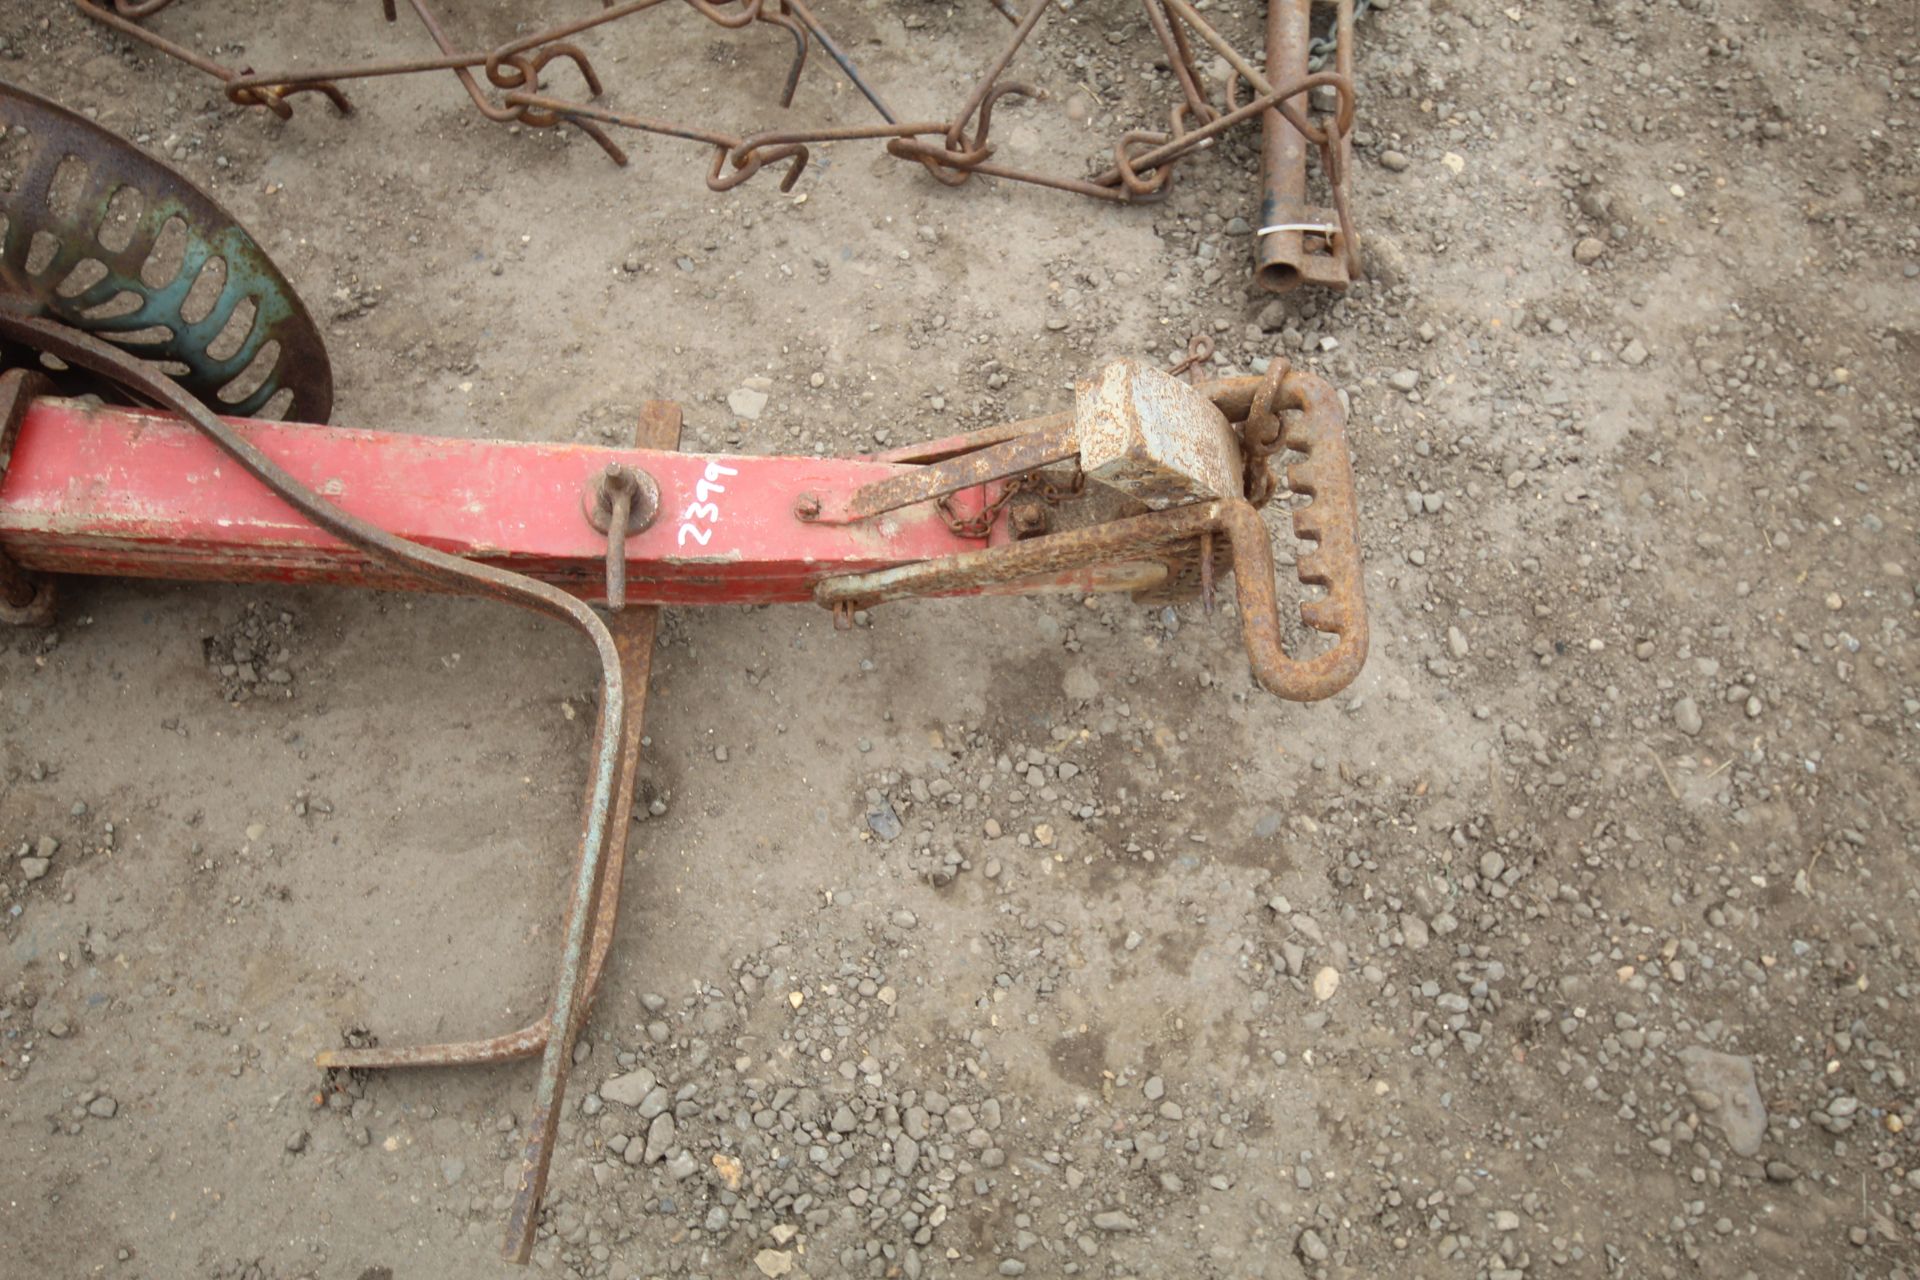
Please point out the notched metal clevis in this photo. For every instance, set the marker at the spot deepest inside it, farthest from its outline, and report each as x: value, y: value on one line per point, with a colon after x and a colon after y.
x: 1162, y: 471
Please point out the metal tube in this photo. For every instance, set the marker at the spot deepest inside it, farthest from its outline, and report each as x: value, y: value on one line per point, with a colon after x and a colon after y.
x: 1283, y: 152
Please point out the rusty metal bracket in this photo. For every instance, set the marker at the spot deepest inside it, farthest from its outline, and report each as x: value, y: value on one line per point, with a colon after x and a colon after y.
x: 620, y: 502
x: 1143, y: 552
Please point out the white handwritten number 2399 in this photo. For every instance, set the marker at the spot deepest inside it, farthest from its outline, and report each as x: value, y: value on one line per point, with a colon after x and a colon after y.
x: 704, y: 508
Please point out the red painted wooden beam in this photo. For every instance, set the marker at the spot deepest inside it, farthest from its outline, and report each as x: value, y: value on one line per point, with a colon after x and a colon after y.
x: 130, y: 493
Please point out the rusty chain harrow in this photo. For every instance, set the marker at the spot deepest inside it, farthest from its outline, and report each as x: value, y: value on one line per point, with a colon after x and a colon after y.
x: 508, y: 84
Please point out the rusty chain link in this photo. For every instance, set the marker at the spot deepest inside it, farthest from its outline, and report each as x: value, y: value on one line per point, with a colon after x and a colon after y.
x: 980, y: 524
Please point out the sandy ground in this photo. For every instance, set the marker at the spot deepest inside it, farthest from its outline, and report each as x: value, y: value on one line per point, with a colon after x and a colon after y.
x: 1577, y: 938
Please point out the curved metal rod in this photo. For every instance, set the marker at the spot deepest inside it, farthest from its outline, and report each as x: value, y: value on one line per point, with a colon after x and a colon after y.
x: 465, y: 576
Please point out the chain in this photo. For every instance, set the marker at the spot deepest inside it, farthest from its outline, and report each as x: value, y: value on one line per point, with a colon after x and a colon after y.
x: 1199, y: 351
x: 1321, y: 48
x: 981, y: 524
x: 1260, y: 433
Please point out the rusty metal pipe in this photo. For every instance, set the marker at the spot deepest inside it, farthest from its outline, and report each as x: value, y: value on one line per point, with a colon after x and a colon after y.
x: 1283, y: 153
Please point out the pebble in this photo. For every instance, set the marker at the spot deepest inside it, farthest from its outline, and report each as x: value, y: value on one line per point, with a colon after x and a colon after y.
x: 747, y: 403
x: 1155, y: 1089
x: 660, y: 1135
x: 1394, y: 161
x: 628, y: 1090
x: 1404, y: 379
x: 1325, y: 983
x: 1114, y: 1220
x: 774, y: 1263
x: 103, y: 1108
x: 34, y: 868
x: 1686, y: 717
x: 1589, y: 250
x: 1742, y: 1114
x: 884, y: 822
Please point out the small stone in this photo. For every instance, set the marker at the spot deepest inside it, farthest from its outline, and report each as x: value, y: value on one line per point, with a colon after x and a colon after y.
x: 1414, y: 930
x: 660, y: 1135
x: 298, y: 1142
x: 1325, y: 983
x: 1404, y: 379
x: 1589, y: 250
x: 884, y: 822
x: 773, y: 1263
x: 34, y: 868
x: 628, y: 1090
x: 1155, y: 1089
x: 1686, y: 717
x: 1114, y: 1220
x: 904, y: 919
x: 747, y: 403
x: 1742, y: 1114
x: 1394, y: 161
x: 1311, y: 1247
x: 103, y: 1108
x: 844, y: 1120
x: 1634, y: 353
x: 682, y: 1166
x: 1457, y: 642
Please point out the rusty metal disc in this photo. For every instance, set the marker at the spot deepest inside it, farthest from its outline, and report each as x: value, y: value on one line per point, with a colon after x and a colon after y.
x: 103, y: 238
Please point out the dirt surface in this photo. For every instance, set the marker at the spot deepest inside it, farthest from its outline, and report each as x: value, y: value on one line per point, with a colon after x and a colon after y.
x: 1029, y: 937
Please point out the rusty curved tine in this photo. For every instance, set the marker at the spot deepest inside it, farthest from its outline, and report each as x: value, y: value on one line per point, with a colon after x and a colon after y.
x: 983, y: 87
x: 1270, y: 100
x: 935, y: 156
x: 749, y: 12
x: 799, y: 32
x: 120, y: 18
x: 749, y: 163
x: 466, y: 577
x: 633, y: 634
x: 528, y: 70
x: 643, y: 124
x: 1180, y: 58
x: 799, y: 10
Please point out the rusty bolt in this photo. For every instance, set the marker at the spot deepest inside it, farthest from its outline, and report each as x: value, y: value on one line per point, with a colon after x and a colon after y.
x: 806, y: 507
x: 1027, y: 516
